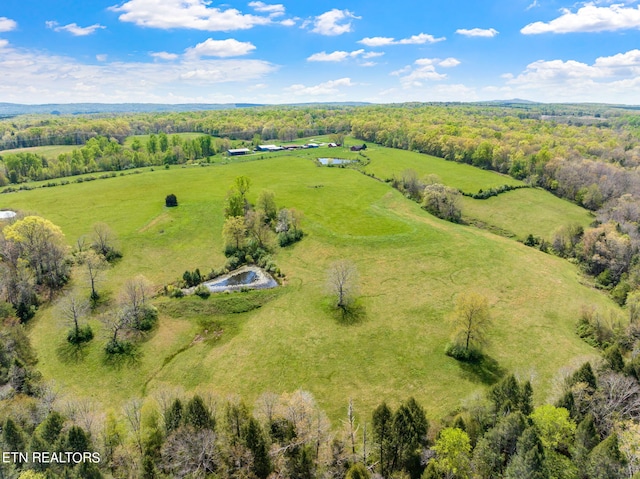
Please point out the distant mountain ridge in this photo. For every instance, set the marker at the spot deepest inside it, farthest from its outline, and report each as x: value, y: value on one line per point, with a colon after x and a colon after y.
x: 12, y: 109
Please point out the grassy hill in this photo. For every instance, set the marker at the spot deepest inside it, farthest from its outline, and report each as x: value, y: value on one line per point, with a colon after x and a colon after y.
x: 49, y: 152
x: 411, y: 266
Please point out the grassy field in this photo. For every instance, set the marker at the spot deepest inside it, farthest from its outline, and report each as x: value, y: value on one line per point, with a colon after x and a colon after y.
x: 516, y: 214
x: 387, y: 163
x: 526, y: 211
x: 49, y: 152
x: 411, y: 267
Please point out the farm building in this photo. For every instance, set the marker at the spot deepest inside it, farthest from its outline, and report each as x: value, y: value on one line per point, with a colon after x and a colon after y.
x: 359, y: 147
x: 269, y: 148
x: 238, y: 151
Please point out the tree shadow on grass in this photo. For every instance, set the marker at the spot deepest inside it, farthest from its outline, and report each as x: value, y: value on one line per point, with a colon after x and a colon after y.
x: 350, y: 315
x: 129, y: 358
x: 72, y: 353
x: 485, y: 370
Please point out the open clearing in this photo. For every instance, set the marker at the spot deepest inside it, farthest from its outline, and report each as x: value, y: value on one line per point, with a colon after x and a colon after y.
x: 49, y: 152
x: 411, y: 268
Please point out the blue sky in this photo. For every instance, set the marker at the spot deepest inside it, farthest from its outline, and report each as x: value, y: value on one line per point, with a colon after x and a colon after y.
x: 182, y: 51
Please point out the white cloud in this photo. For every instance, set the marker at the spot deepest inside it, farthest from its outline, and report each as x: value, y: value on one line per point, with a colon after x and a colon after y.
x: 4, y: 43
x: 589, y: 18
x: 164, y: 55
x: 272, y: 10
x: 220, y: 48
x: 533, y: 4
x: 423, y: 69
x: 7, y: 25
x: 449, y: 62
x: 334, y: 22
x: 614, y: 78
x: 74, y: 28
x: 372, y: 54
x: 288, y: 22
x: 337, y: 56
x: 419, y: 39
x: 102, y: 57
x: 34, y: 77
x: 331, y: 87
x: 478, y: 32
x: 193, y: 14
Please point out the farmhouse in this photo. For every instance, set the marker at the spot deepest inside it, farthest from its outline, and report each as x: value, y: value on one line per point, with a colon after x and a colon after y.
x: 359, y: 147
x: 238, y: 151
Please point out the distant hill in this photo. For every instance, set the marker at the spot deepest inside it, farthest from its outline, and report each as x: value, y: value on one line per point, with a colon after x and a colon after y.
x: 13, y: 109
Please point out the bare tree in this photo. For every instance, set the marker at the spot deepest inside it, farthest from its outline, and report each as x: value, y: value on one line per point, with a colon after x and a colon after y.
x: 343, y: 279
x: 133, y: 299
x: 190, y: 452
x: 74, y: 310
x: 617, y: 398
x: 133, y: 413
x: 104, y: 242
x: 115, y: 323
x: 95, y: 265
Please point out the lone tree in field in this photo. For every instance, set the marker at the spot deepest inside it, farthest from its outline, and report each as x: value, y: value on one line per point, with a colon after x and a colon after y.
x: 171, y: 201
x: 343, y: 279
x: 472, y: 321
x: 104, y: 242
x: 74, y: 310
x: 94, y: 265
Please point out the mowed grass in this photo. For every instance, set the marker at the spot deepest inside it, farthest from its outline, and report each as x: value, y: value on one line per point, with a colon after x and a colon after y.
x: 388, y: 162
x: 49, y: 152
x: 411, y: 266
x: 516, y: 213
x: 526, y: 211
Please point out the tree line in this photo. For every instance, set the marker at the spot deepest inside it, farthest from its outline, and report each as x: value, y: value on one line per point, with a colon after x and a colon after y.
x: 590, y: 432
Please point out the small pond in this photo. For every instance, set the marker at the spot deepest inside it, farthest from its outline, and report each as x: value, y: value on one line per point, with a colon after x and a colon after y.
x: 246, y: 277
x: 5, y: 215
x: 334, y: 161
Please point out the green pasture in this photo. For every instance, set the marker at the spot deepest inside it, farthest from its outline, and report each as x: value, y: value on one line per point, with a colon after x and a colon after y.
x: 49, y: 152
x: 525, y: 211
x: 388, y: 162
x: 411, y: 268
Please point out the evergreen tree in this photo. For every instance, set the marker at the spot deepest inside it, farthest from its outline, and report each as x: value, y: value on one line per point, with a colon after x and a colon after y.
x: 173, y: 416
x: 606, y: 461
x: 51, y: 427
x: 77, y: 440
x: 409, y: 430
x: 496, y: 448
x: 256, y: 442
x: 198, y: 415
x: 528, y: 463
x: 585, y: 375
x: 382, y: 423
x: 12, y: 436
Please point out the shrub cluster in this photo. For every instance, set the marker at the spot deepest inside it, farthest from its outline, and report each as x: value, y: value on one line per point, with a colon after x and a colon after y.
x: 484, y: 194
x: 83, y: 335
